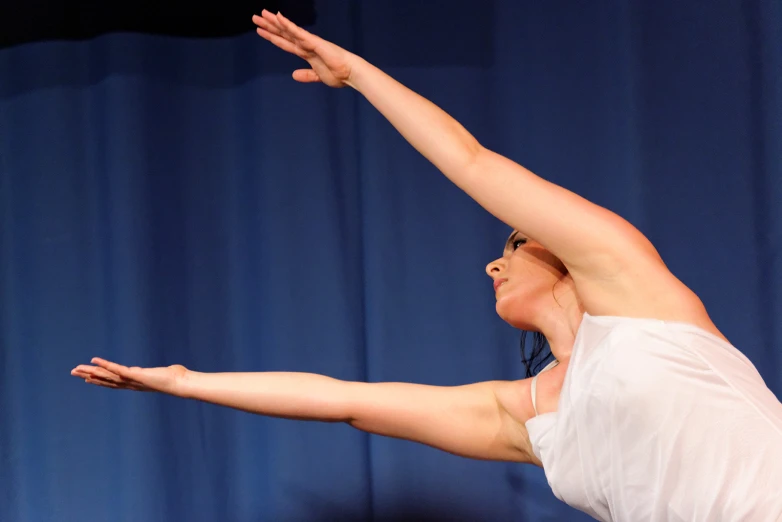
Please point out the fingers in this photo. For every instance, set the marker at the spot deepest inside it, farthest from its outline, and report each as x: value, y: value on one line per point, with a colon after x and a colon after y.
x: 304, y: 39
x: 105, y: 384
x: 116, y: 386
x: 280, y: 26
x: 98, y: 373
x: 89, y: 372
x: 117, y: 369
x: 100, y: 376
x: 272, y: 23
x: 281, y: 42
x: 306, y: 76
x: 270, y: 26
x: 290, y: 27
x: 106, y: 370
x: 80, y: 372
x: 270, y: 17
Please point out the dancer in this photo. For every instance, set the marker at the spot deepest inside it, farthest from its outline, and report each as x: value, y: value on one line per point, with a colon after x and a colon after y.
x: 647, y: 411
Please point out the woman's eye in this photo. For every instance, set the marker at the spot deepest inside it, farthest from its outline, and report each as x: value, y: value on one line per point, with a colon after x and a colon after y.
x: 518, y: 243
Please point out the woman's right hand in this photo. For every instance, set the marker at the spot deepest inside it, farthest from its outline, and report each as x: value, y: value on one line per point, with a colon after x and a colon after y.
x: 330, y: 63
x: 167, y: 379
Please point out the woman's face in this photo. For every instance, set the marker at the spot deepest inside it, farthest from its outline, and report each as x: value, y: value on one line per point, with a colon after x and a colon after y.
x: 524, y: 279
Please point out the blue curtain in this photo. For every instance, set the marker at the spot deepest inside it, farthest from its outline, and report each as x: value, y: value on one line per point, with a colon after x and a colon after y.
x: 184, y: 201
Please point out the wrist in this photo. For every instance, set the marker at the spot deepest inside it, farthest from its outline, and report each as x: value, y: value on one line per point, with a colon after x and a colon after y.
x: 358, y: 68
x: 186, y: 384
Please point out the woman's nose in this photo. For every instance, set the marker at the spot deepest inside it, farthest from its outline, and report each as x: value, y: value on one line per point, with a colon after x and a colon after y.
x: 493, y: 268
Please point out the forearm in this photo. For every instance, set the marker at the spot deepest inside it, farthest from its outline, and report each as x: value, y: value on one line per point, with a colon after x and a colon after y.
x: 303, y: 396
x: 507, y: 190
x: 581, y: 234
x: 435, y: 134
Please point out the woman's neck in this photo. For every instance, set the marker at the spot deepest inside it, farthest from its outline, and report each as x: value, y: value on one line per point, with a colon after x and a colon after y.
x: 560, y: 318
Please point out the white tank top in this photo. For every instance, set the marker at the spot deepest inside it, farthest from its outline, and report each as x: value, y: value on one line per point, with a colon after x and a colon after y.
x: 661, y: 421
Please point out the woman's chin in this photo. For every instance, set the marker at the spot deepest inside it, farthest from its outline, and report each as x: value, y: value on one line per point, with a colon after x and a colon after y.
x: 513, y: 315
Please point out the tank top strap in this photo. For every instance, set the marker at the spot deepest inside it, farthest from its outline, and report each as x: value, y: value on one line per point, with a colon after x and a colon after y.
x: 534, y: 388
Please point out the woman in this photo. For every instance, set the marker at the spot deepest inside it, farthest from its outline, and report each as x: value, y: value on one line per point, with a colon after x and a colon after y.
x: 647, y: 413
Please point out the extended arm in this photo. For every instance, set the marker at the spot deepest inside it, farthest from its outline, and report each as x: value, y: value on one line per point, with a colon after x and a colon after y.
x: 481, y: 421
x: 615, y: 268
x: 585, y: 236
x: 465, y: 420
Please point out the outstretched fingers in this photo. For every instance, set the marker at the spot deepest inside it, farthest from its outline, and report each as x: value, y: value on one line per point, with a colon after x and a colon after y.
x: 102, y: 377
x: 268, y: 21
x: 281, y: 42
x: 94, y: 372
x: 113, y: 385
x: 270, y: 29
x: 271, y: 18
x: 303, y: 38
x: 127, y: 374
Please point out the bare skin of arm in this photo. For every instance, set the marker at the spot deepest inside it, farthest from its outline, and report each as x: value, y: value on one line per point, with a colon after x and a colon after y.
x: 480, y: 421
x: 616, y: 270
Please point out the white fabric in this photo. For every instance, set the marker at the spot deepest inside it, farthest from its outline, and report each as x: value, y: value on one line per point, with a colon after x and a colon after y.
x: 534, y: 386
x: 661, y: 421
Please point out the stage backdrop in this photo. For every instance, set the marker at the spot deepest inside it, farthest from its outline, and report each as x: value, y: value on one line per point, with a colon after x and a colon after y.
x: 183, y: 201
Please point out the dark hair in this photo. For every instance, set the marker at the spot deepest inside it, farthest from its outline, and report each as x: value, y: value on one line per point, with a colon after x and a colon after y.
x: 540, y: 355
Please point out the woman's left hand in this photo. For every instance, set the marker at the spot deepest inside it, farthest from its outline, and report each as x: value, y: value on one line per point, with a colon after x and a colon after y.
x: 330, y: 63
x: 108, y: 374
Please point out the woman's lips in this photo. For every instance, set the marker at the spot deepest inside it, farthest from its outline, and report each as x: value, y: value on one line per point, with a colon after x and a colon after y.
x: 498, y: 283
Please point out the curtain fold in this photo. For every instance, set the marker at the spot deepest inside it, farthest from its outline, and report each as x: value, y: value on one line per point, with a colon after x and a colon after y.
x: 184, y: 201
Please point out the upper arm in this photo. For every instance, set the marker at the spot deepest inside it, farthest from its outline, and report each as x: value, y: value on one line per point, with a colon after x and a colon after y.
x: 471, y: 421
x: 583, y: 235
x: 616, y: 269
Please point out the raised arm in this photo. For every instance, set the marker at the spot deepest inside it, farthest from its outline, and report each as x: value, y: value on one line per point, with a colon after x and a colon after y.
x: 589, y: 239
x: 615, y: 268
x: 481, y: 421
x: 577, y: 231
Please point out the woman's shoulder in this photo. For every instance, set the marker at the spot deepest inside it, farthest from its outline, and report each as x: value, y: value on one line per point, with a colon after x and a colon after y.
x: 647, y: 290
x: 640, y: 285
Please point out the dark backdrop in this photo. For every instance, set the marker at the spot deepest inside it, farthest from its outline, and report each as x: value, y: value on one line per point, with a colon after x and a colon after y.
x: 169, y: 200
